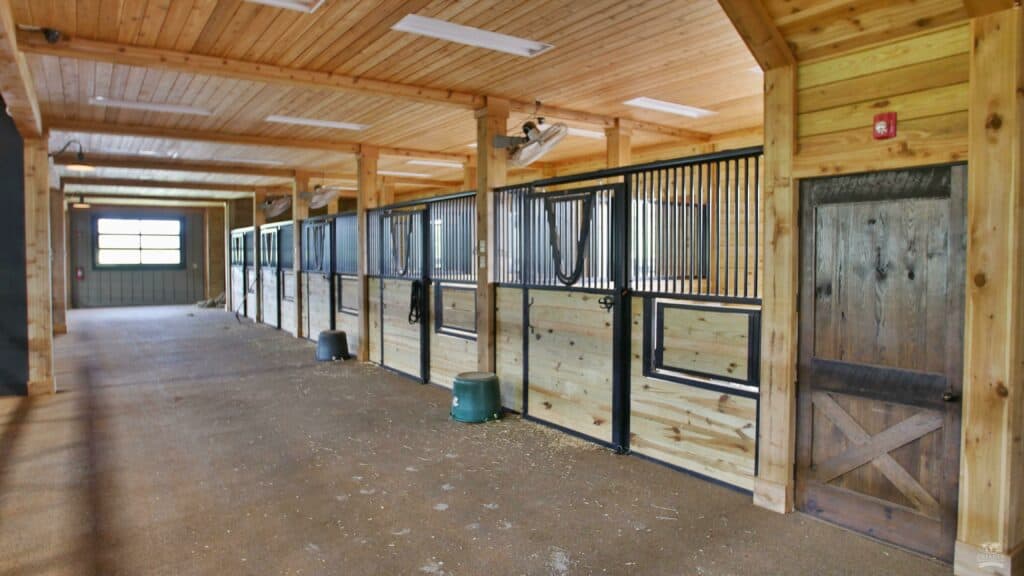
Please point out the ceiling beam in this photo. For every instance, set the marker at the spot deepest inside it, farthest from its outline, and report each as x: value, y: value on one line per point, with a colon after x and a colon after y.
x: 16, y: 85
x: 762, y: 37
x: 59, y: 125
x: 165, y: 184
x: 145, y: 201
x: 976, y: 8
x: 160, y: 59
x: 148, y: 163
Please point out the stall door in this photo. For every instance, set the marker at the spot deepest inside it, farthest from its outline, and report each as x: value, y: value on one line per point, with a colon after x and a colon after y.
x: 405, y: 311
x: 570, y: 302
x: 881, y: 348
x: 270, y: 285
x: 317, y: 289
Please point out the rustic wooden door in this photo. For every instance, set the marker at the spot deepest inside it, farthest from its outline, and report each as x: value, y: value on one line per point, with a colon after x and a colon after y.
x: 881, y: 353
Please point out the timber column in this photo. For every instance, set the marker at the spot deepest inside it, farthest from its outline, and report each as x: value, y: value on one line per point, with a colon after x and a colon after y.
x: 990, y: 531
x: 491, y: 173
x: 38, y: 279
x: 59, y: 258
x: 366, y: 197
x: 774, y: 485
x: 300, y: 211
x: 618, y: 141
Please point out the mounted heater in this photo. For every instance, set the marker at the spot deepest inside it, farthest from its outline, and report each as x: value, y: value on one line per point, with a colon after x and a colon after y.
x: 273, y: 207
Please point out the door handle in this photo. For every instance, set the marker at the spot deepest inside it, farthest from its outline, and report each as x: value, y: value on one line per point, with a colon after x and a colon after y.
x: 950, y: 396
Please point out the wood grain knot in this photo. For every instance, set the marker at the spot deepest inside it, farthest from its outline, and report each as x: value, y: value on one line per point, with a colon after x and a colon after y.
x: 1001, y: 390
x: 980, y: 280
x: 994, y: 121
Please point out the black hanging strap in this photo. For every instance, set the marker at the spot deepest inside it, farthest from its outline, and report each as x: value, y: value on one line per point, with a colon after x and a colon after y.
x: 574, y: 275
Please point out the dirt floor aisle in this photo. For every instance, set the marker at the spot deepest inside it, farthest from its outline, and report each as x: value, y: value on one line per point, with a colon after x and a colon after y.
x: 186, y: 443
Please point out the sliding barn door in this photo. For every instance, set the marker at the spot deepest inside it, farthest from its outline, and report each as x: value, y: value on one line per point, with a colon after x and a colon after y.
x: 881, y: 349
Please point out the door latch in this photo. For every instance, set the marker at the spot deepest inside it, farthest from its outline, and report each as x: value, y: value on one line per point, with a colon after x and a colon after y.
x: 607, y: 303
x: 950, y: 396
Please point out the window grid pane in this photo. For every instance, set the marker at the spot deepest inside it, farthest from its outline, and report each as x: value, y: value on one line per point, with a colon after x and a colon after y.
x: 135, y: 242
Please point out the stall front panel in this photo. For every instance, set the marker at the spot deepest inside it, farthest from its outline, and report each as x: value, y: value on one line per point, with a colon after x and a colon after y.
x: 317, y: 310
x: 240, y: 261
x: 269, y: 276
x: 288, y: 280
x: 345, y: 279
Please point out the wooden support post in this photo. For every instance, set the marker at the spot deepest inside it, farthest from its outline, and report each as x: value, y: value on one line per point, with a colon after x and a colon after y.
x: 258, y: 219
x: 58, y: 266
x: 618, y: 138
x: 300, y: 211
x: 469, y: 177
x: 38, y: 268
x: 773, y: 488
x: 491, y: 173
x: 991, y: 505
x: 227, y: 250
x: 215, y: 252
x: 366, y: 198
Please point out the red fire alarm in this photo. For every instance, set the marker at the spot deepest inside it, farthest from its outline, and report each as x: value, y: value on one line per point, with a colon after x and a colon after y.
x: 79, y: 273
x: 885, y: 126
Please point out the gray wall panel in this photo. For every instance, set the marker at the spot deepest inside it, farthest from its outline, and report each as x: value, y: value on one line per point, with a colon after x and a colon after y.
x: 133, y: 287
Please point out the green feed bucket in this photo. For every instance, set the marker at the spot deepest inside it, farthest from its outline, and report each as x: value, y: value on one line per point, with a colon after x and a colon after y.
x: 476, y: 397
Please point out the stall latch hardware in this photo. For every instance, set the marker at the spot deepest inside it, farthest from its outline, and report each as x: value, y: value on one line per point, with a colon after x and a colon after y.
x: 607, y: 303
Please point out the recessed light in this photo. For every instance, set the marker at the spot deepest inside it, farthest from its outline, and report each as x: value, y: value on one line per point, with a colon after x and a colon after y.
x: 442, y: 30
x: 668, y: 107
x: 149, y: 106
x: 583, y: 133
x: 402, y: 174
x: 307, y: 6
x: 437, y: 163
x: 253, y: 161
x: 314, y: 122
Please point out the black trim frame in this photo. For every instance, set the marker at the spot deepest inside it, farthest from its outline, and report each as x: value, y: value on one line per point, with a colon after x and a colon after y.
x: 95, y: 235
x: 653, y: 360
x: 448, y: 330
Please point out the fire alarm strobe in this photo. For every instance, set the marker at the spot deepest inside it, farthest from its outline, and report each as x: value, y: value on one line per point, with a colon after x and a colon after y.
x: 885, y: 126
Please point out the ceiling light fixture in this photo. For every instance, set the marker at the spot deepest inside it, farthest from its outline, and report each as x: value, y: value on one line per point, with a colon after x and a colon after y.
x: 149, y: 106
x: 79, y: 165
x: 668, y: 107
x: 307, y: 6
x: 437, y: 163
x: 81, y: 204
x: 473, y: 145
x: 402, y: 174
x: 442, y: 30
x: 584, y: 133
x: 258, y: 162
x: 316, y: 123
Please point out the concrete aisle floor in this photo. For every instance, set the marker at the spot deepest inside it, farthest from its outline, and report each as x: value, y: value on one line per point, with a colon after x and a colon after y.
x: 204, y: 446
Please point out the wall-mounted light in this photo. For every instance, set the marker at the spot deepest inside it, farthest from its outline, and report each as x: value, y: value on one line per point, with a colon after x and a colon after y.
x: 81, y: 204
x: 79, y: 165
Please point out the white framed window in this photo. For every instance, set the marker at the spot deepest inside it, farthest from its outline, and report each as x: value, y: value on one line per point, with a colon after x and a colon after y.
x: 139, y: 242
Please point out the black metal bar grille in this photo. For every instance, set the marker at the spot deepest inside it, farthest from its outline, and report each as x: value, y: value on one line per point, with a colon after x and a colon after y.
x: 452, y: 237
x: 316, y: 246
x: 346, y: 240
x: 396, y: 241
x: 694, y: 229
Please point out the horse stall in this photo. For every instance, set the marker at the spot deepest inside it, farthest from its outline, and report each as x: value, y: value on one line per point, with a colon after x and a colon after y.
x: 269, y: 276
x: 423, y: 287
x: 345, y: 278
x: 241, y: 262
x: 316, y: 281
x: 251, y: 274
x: 639, y: 291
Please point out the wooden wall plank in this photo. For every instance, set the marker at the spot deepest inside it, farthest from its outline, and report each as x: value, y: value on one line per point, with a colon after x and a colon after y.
x: 508, y: 345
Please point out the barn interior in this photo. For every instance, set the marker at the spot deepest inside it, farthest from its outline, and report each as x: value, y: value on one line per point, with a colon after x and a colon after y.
x: 547, y: 287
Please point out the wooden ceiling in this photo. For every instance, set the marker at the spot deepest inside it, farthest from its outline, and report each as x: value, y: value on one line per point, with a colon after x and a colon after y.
x: 606, y: 52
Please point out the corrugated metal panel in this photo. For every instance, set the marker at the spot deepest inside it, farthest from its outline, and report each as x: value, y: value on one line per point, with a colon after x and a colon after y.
x: 130, y: 287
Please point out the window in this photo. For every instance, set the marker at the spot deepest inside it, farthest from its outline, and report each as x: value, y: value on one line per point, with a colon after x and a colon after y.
x: 139, y: 242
